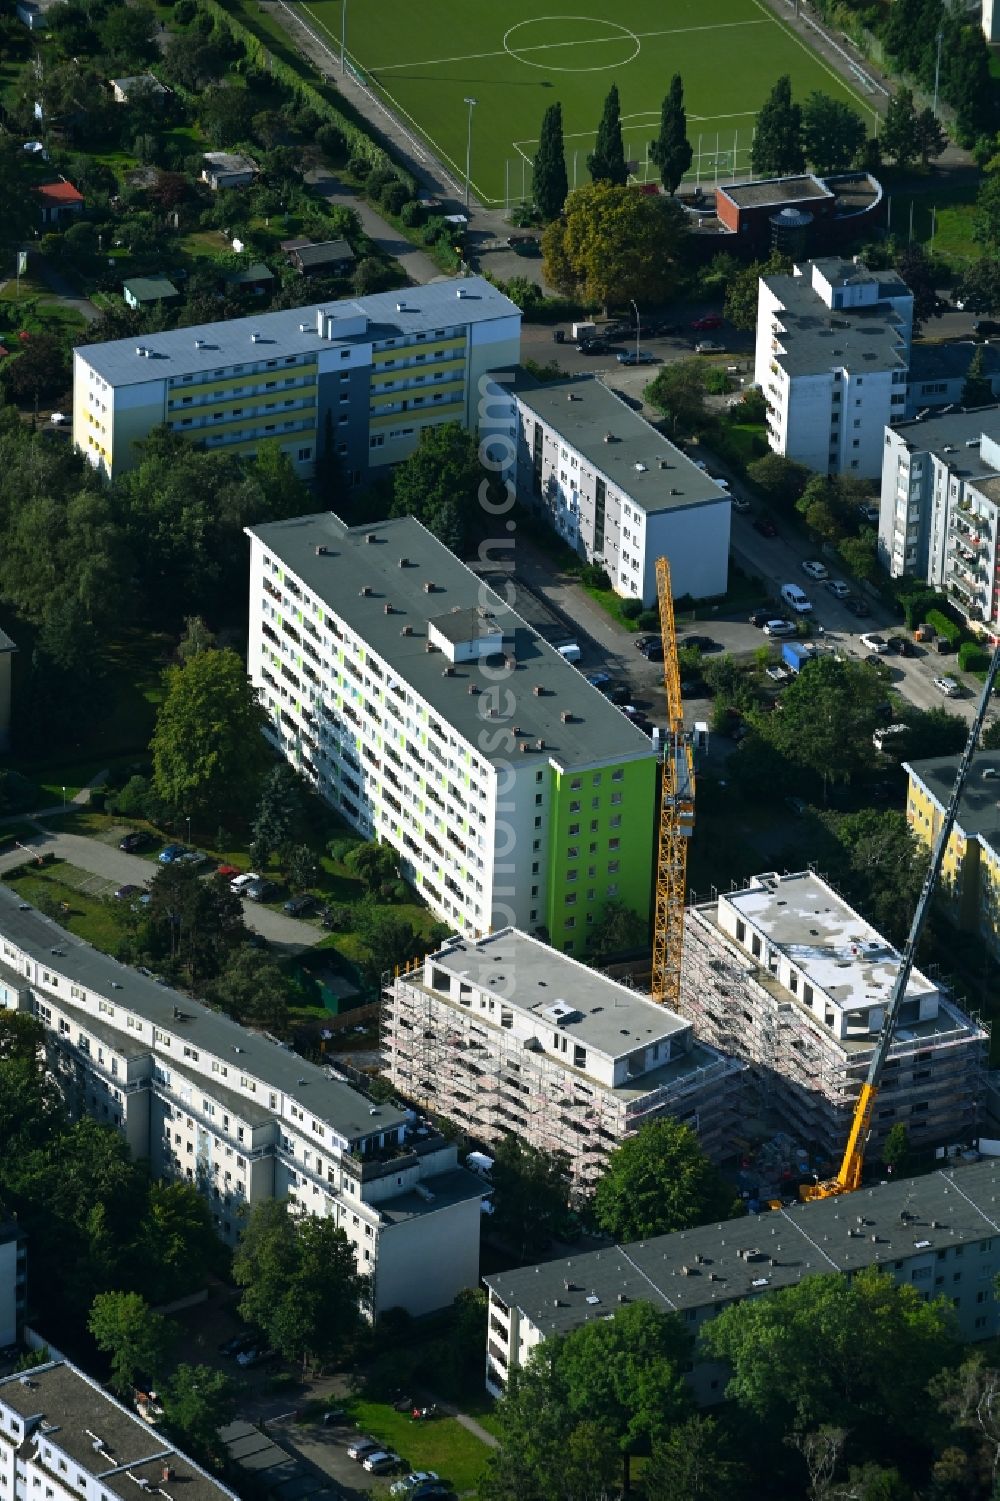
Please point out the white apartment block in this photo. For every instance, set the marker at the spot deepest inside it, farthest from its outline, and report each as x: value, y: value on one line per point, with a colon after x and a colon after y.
x: 432, y: 717
x: 938, y: 1233
x: 242, y: 1118
x: 64, y: 1438
x: 833, y: 349
x: 363, y: 377
x: 786, y: 975
x: 612, y: 487
x: 940, y: 509
x: 13, y: 1282
x: 507, y: 1035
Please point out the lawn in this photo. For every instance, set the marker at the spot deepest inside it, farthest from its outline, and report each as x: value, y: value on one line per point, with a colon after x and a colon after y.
x: 942, y: 213
x: 68, y: 894
x: 441, y: 1444
x: 515, y: 60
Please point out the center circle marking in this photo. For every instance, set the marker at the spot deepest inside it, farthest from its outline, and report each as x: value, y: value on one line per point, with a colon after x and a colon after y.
x: 623, y: 32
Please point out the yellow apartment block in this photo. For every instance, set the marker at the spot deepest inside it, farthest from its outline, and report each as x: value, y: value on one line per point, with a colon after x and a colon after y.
x: 970, y: 877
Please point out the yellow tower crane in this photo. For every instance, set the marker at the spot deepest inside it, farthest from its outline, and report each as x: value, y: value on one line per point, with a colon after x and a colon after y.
x: 676, y: 813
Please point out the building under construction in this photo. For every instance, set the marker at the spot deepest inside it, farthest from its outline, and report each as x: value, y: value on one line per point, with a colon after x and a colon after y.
x: 508, y: 1035
x: 787, y: 976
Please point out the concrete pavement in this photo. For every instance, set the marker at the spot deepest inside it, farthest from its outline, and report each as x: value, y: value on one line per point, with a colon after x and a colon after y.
x: 115, y: 867
x: 416, y: 263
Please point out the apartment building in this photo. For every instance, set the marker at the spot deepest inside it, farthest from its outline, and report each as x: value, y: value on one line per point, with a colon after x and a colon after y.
x: 939, y: 516
x: 63, y: 1437
x: 786, y: 975
x: 507, y: 1035
x: 938, y: 1233
x: 613, y: 488
x: 363, y: 376
x: 13, y: 1281
x: 242, y: 1118
x: 832, y: 354
x: 430, y: 715
x: 970, y: 876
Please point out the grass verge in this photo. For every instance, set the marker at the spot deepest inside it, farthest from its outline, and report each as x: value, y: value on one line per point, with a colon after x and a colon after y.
x: 441, y: 1444
x: 56, y: 891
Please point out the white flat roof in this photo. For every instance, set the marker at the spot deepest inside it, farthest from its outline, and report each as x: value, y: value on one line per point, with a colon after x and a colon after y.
x: 839, y: 952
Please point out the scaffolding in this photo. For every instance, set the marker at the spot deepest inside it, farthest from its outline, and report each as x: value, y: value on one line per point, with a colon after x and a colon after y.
x: 934, y: 1081
x: 473, y: 1070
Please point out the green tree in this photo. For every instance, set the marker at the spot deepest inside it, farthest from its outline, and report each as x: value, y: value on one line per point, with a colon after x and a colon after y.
x: 978, y: 287
x: 832, y: 133
x: 671, y: 151
x: 225, y: 112
x: 884, y: 869
x: 530, y: 1196
x: 781, y: 480
x: 896, y: 1149
x: 193, y: 923
x: 549, y: 182
x: 828, y: 715
x: 208, y: 746
x: 743, y: 289
x: 177, y: 1246
x: 678, y: 391
x: 691, y: 1463
x: 977, y: 390
x: 613, y: 244
x: 439, y: 483
x: 860, y: 555
x: 127, y: 35
x: 934, y: 732
x: 968, y: 1397
x: 301, y: 1286
x: 137, y: 1340
x: 196, y: 638
x: 197, y: 1401
x: 931, y: 139
x: 618, y: 930
x: 373, y: 863
x: 41, y: 370
x: 777, y: 149
x: 657, y: 1181
x: 899, y: 135
x: 280, y: 818
x: 856, y: 1352
x: 22, y: 1037
x: 391, y: 941
x: 300, y: 864
x: 252, y: 989
x: 606, y: 163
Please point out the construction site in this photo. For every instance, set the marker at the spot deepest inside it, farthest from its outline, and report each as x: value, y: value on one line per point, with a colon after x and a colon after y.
x: 508, y: 1035
x: 787, y: 976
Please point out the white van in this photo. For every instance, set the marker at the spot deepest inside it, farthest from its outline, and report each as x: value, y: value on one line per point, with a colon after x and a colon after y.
x: 792, y: 596
x: 570, y: 651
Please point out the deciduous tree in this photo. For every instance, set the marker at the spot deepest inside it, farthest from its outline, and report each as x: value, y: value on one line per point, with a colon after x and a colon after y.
x: 899, y: 136
x: 549, y: 183
x: 678, y: 390
x: 743, y: 289
x: 531, y: 1196
x: 832, y: 133
x: 208, y: 747
x: 671, y: 151
x: 606, y: 163
x: 828, y: 715
x: 439, y: 483
x: 692, y: 1463
x: 618, y: 930
x: 777, y: 149
x: 658, y: 1181
x: 137, y: 1340
x: 197, y: 1401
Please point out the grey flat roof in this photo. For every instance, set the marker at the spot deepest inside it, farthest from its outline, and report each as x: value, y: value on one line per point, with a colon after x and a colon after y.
x: 329, y: 1100
x: 583, y: 411
x: 848, y: 273
x: 957, y: 430
x: 862, y: 338
x: 227, y: 343
x: 459, y: 626
x: 150, y: 287
x: 979, y: 809
x: 950, y: 361
x: 324, y: 253
x: 6, y: 644
x: 802, y: 1240
x: 596, y: 731
x: 531, y: 976
x: 72, y: 1403
x: 776, y: 190
x: 454, y: 1187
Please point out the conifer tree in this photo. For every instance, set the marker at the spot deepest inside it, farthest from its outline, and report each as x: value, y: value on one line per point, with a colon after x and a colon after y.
x: 549, y: 181
x: 606, y: 163
x: 977, y: 391
x: 671, y: 151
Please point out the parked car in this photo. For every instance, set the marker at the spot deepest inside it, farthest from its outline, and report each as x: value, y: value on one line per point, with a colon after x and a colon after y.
x: 593, y: 346
x: 256, y: 1355
x: 873, y: 642
x: 765, y: 526
x: 815, y: 570
x: 949, y: 686
x: 868, y: 513
x: 838, y: 588
x: 642, y: 642
x: 124, y: 892
x: 761, y: 617
x: 416, y: 1477
x: 741, y: 504
x: 380, y: 1461
x: 134, y: 841
x: 703, y: 643
x: 795, y: 599
x: 644, y: 357
x: 238, y: 1343
x: 709, y: 346
x: 170, y: 853
x: 240, y: 883
x: 260, y: 890
x: 300, y: 906
x: 985, y: 328
x: 227, y: 871
x: 617, y: 693
x: 654, y: 651
x: 707, y: 323
x: 193, y: 857
x: 598, y: 679
x: 779, y: 628
x: 360, y: 1447
x: 903, y: 645
x: 334, y: 1417
x: 855, y: 605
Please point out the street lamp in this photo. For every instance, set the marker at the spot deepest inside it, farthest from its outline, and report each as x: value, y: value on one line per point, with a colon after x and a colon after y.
x: 343, y: 35
x: 635, y: 310
x: 937, y: 72
x: 64, y: 797
x: 189, y: 828
x: 468, y: 150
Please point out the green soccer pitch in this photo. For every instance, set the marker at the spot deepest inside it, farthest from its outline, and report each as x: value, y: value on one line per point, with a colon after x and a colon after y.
x: 425, y: 58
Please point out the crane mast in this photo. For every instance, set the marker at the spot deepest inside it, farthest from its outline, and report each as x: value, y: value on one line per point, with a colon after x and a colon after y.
x: 676, y: 813
x: 849, y: 1176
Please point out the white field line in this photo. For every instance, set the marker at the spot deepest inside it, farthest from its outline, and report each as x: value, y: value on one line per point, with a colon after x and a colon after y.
x: 573, y: 135
x: 587, y: 41
x: 770, y: 16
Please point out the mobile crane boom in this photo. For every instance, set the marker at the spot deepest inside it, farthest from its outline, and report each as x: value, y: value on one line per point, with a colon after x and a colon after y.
x: 849, y: 1176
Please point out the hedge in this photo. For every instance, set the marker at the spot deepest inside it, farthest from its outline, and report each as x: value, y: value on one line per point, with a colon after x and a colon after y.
x: 358, y: 142
x: 951, y: 632
x: 918, y: 605
x: 972, y: 657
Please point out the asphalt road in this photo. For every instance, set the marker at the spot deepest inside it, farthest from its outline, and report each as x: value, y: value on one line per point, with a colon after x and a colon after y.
x: 113, y: 867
